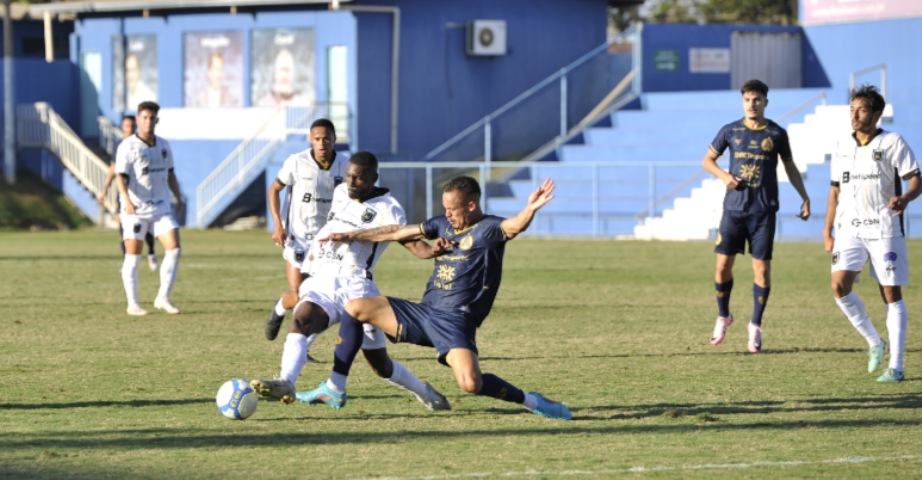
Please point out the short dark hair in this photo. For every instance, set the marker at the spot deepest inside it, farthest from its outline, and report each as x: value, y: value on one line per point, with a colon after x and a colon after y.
x: 129, y: 117
x: 755, y: 85
x: 465, y: 185
x: 366, y: 160
x: 152, y: 106
x: 323, y: 122
x: 871, y: 95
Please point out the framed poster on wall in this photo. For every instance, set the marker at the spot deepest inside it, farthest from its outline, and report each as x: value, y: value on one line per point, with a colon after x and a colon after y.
x: 134, y: 71
x: 213, y: 69
x: 282, y: 67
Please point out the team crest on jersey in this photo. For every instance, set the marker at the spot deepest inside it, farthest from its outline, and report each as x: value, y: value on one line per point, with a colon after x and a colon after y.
x: 466, y: 243
x: 369, y: 215
x: 738, y: 140
x: 768, y: 144
x: 878, y: 155
x: 163, y: 152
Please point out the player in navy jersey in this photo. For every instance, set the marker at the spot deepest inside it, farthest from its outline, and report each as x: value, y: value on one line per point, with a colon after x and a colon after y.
x: 750, y: 203
x: 458, y: 297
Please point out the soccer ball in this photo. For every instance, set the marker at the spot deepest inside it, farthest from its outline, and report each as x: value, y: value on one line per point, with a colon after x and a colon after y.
x: 236, y: 399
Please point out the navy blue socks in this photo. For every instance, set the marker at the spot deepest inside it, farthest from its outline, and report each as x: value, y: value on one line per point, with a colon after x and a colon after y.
x: 351, y: 333
x: 759, y: 300
x: 723, y: 297
x: 500, y: 389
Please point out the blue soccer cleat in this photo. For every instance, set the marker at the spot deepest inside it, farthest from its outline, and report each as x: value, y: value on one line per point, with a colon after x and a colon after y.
x: 551, y: 409
x: 323, y: 394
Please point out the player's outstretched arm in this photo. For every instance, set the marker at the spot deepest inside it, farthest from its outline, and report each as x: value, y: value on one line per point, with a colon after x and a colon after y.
x: 899, y: 204
x: 387, y: 233
x: 425, y: 251
x: 709, y: 162
x: 828, y: 241
x: 798, y: 182
x: 519, y: 223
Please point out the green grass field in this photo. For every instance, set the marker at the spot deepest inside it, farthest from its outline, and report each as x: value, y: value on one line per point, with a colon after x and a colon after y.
x: 616, y: 330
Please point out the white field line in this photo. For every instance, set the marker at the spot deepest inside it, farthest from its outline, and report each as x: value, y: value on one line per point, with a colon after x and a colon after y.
x: 644, y: 469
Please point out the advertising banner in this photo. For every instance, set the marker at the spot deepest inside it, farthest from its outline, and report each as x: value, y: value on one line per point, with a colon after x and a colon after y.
x: 134, y: 75
x: 282, y: 62
x: 818, y: 12
x: 213, y: 73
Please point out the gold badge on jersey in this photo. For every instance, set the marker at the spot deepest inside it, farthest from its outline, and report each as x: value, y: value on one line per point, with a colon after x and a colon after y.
x: 466, y: 243
x: 738, y: 140
x: 369, y: 215
x: 878, y: 155
x: 768, y: 144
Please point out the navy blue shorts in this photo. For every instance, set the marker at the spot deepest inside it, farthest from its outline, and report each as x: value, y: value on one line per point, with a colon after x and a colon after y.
x: 420, y: 324
x: 738, y: 227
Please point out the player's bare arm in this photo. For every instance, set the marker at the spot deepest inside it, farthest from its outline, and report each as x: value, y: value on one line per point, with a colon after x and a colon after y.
x: 122, y: 183
x: 828, y: 241
x: 899, y: 204
x: 174, y: 187
x: 278, y: 234
x: 519, y: 223
x: 110, y: 176
x: 425, y: 251
x: 798, y: 182
x: 710, y: 164
x: 387, y: 233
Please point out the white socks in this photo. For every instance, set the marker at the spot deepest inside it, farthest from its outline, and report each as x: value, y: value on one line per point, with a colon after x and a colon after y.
x: 168, y: 272
x: 130, y: 277
x: 279, y: 309
x: 896, y: 327
x: 853, y: 308
x: 294, y: 356
x: 337, y: 382
x: 403, y: 378
x: 530, y: 403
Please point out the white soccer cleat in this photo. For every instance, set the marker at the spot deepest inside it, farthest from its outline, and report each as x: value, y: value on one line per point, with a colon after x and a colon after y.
x: 135, y: 310
x: 152, y: 262
x: 433, y: 400
x: 720, y: 329
x: 755, y: 338
x: 164, y: 303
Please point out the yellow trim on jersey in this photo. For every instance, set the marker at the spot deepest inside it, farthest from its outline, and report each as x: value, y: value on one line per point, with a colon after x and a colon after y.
x: 713, y: 149
x: 763, y: 127
x: 910, y: 174
x: 145, y: 141
x: 422, y: 232
x: 459, y: 232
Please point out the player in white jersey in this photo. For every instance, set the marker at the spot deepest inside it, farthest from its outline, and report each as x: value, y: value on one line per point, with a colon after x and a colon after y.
x: 309, y: 178
x: 144, y: 164
x: 343, y: 272
x: 866, y: 206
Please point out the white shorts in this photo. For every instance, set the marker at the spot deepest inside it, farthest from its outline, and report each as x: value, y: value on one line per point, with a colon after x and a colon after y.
x: 295, y: 252
x: 333, y: 293
x: 889, y: 262
x: 135, y: 227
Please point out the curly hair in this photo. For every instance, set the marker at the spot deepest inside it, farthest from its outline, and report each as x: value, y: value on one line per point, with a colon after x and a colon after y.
x: 871, y: 95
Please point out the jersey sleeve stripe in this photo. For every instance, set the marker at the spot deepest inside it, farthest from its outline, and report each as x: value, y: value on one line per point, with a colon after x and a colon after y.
x: 711, y: 147
x: 911, y: 174
x: 280, y: 182
x: 422, y: 231
x: 834, y: 183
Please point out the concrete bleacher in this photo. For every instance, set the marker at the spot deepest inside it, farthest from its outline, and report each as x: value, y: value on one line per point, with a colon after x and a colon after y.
x: 671, y: 127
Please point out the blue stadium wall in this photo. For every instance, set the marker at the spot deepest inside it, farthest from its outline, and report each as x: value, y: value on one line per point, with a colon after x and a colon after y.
x: 682, y: 37
x: 442, y: 90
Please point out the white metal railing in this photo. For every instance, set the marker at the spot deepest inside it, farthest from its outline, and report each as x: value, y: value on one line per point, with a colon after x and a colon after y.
x: 571, y: 104
x: 236, y: 171
x: 38, y: 126
x: 883, y: 77
x: 109, y: 135
x: 601, y: 198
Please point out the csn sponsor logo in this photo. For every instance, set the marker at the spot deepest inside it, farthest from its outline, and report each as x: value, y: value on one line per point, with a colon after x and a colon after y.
x: 867, y: 222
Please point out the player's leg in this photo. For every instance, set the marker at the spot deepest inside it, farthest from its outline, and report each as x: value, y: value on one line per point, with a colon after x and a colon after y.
x: 167, y: 232
x: 891, y: 268
x: 133, y: 231
x: 466, y: 368
x: 289, y: 299
x: 848, y: 258
x: 761, y: 232
x: 730, y: 242
x: 374, y: 348
x: 151, y: 254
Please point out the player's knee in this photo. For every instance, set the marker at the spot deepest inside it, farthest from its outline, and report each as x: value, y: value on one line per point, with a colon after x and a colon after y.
x: 470, y: 383
x: 839, y: 289
x: 307, y: 320
x: 357, y: 308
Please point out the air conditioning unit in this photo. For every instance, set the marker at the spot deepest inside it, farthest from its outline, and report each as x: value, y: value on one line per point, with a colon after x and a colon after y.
x: 486, y: 37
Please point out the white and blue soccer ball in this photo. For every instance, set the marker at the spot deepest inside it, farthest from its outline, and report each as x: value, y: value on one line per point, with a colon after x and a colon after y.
x: 236, y: 399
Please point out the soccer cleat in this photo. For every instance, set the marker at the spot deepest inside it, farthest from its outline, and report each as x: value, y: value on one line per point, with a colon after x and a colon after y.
x: 720, y: 329
x: 755, y: 338
x: 891, y: 375
x: 152, y: 262
x: 136, y: 310
x: 278, y: 389
x: 433, y: 399
x: 273, y: 324
x: 164, y: 303
x: 876, y: 354
x: 551, y: 409
x: 323, y: 394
